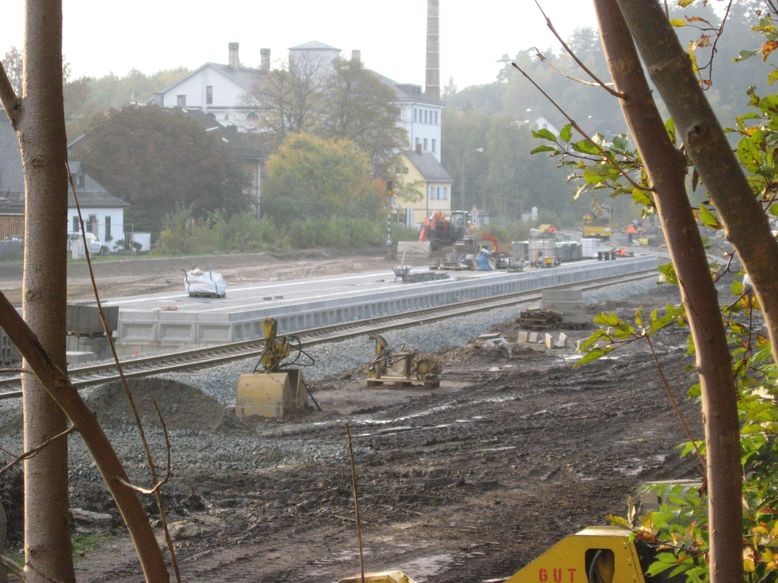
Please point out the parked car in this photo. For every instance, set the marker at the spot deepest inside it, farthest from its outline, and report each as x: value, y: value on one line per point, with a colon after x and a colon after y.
x: 95, y: 245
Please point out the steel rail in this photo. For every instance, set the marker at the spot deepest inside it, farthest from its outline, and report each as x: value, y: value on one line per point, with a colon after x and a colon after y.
x: 82, y: 376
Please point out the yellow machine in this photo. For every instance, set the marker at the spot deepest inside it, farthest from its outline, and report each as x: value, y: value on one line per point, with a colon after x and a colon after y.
x: 398, y: 366
x: 276, y: 390
x: 597, y: 222
x: 599, y: 554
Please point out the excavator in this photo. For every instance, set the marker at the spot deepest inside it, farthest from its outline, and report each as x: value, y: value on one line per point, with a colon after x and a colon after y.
x: 597, y: 222
x: 443, y: 231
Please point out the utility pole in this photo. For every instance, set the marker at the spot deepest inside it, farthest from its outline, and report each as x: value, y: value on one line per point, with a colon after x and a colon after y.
x: 389, y: 218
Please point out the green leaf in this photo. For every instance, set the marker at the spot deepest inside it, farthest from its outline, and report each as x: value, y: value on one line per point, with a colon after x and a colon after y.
x: 586, y: 147
x: 708, y: 218
x: 544, y: 134
x: 566, y: 133
x: 594, y: 175
x: 592, y: 355
x: 544, y: 148
x: 667, y: 273
x: 642, y: 197
x: 772, y: 77
x: 744, y: 55
x: 678, y: 22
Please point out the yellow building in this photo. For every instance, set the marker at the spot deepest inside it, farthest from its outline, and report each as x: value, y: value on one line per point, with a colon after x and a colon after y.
x: 423, y: 187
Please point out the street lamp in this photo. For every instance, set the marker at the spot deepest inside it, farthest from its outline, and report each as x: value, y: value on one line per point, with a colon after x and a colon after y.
x: 464, y: 156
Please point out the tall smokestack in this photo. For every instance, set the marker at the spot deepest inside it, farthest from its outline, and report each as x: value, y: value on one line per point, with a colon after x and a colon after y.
x: 234, y: 62
x: 265, y: 63
x: 432, y: 80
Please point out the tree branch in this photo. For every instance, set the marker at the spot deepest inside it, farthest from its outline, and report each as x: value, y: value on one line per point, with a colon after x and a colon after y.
x: 35, y: 450
x: 11, y: 103
x: 128, y: 393
x: 579, y: 129
x: 573, y: 56
x: 58, y: 387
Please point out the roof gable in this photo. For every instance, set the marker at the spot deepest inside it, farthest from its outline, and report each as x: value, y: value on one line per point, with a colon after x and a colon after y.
x: 428, y: 166
x: 244, y: 78
x: 91, y: 194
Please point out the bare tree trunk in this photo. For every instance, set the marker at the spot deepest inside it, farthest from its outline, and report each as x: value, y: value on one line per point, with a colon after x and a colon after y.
x: 84, y: 421
x: 741, y: 214
x: 666, y: 171
x: 41, y: 132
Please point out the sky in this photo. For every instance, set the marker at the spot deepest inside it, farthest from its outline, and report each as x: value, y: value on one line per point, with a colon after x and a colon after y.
x: 103, y: 36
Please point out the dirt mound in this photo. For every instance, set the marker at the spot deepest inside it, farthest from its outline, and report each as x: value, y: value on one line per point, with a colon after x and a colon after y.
x: 181, y: 406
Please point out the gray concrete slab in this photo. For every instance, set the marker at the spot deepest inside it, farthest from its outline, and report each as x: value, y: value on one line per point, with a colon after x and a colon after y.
x: 178, y: 320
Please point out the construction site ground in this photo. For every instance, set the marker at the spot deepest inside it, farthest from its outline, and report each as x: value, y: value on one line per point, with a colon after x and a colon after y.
x: 462, y: 483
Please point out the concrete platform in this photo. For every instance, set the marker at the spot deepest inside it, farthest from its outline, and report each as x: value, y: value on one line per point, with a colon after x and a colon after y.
x: 178, y: 320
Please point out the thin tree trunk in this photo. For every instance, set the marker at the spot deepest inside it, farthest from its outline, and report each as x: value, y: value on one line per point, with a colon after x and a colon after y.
x: 41, y: 132
x: 741, y: 214
x: 67, y: 398
x: 666, y: 171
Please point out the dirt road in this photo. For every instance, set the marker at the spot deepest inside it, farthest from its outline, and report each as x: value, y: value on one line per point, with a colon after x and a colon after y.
x: 124, y: 276
x: 458, y: 484
x: 462, y: 483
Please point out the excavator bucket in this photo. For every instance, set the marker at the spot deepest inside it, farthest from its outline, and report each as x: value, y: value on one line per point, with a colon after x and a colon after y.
x: 275, y: 395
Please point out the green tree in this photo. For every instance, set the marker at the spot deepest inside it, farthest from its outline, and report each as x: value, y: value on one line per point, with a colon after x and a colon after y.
x: 361, y: 108
x: 160, y: 160
x: 312, y: 177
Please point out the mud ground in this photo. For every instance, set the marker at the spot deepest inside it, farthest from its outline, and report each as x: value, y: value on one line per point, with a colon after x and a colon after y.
x: 462, y: 483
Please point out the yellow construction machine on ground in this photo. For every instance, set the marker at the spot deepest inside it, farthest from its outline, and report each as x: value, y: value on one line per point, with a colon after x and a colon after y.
x: 277, y: 390
x: 598, y: 554
x: 399, y: 366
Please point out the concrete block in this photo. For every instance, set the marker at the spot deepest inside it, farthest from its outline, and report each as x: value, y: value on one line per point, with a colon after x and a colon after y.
x: 561, y: 340
x: 413, y: 248
x: 548, y: 340
x: 533, y: 337
x: 523, y: 337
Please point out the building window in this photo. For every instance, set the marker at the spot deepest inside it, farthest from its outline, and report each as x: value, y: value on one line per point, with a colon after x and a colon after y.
x: 91, y: 225
x: 433, y: 146
x: 426, y: 116
x: 181, y: 100
x: 418, y: 143
x: 445, y: 193
x: 415, y: 114
x: 75, y: 225
x: 425, y: 144
x: 208, y: 95
x: 436, y: 118
x: 108, y: 236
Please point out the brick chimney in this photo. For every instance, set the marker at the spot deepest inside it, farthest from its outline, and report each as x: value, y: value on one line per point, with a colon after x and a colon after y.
x: 234, y: 61
x: 264, y: 65
x: 432, y: 79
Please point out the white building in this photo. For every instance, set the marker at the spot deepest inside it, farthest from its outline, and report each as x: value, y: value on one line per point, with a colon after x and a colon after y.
x: 224, y: 91
x: 227, y: 93
x: 103, y: 213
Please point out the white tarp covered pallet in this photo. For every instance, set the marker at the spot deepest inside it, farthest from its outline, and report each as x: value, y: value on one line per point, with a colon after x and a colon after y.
x: 201, y: 283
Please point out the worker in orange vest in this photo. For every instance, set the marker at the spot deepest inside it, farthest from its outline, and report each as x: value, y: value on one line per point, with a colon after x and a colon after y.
x: 631, y: 232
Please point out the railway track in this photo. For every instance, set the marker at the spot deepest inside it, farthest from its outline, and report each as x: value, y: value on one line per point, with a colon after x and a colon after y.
x: 82, y: 376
